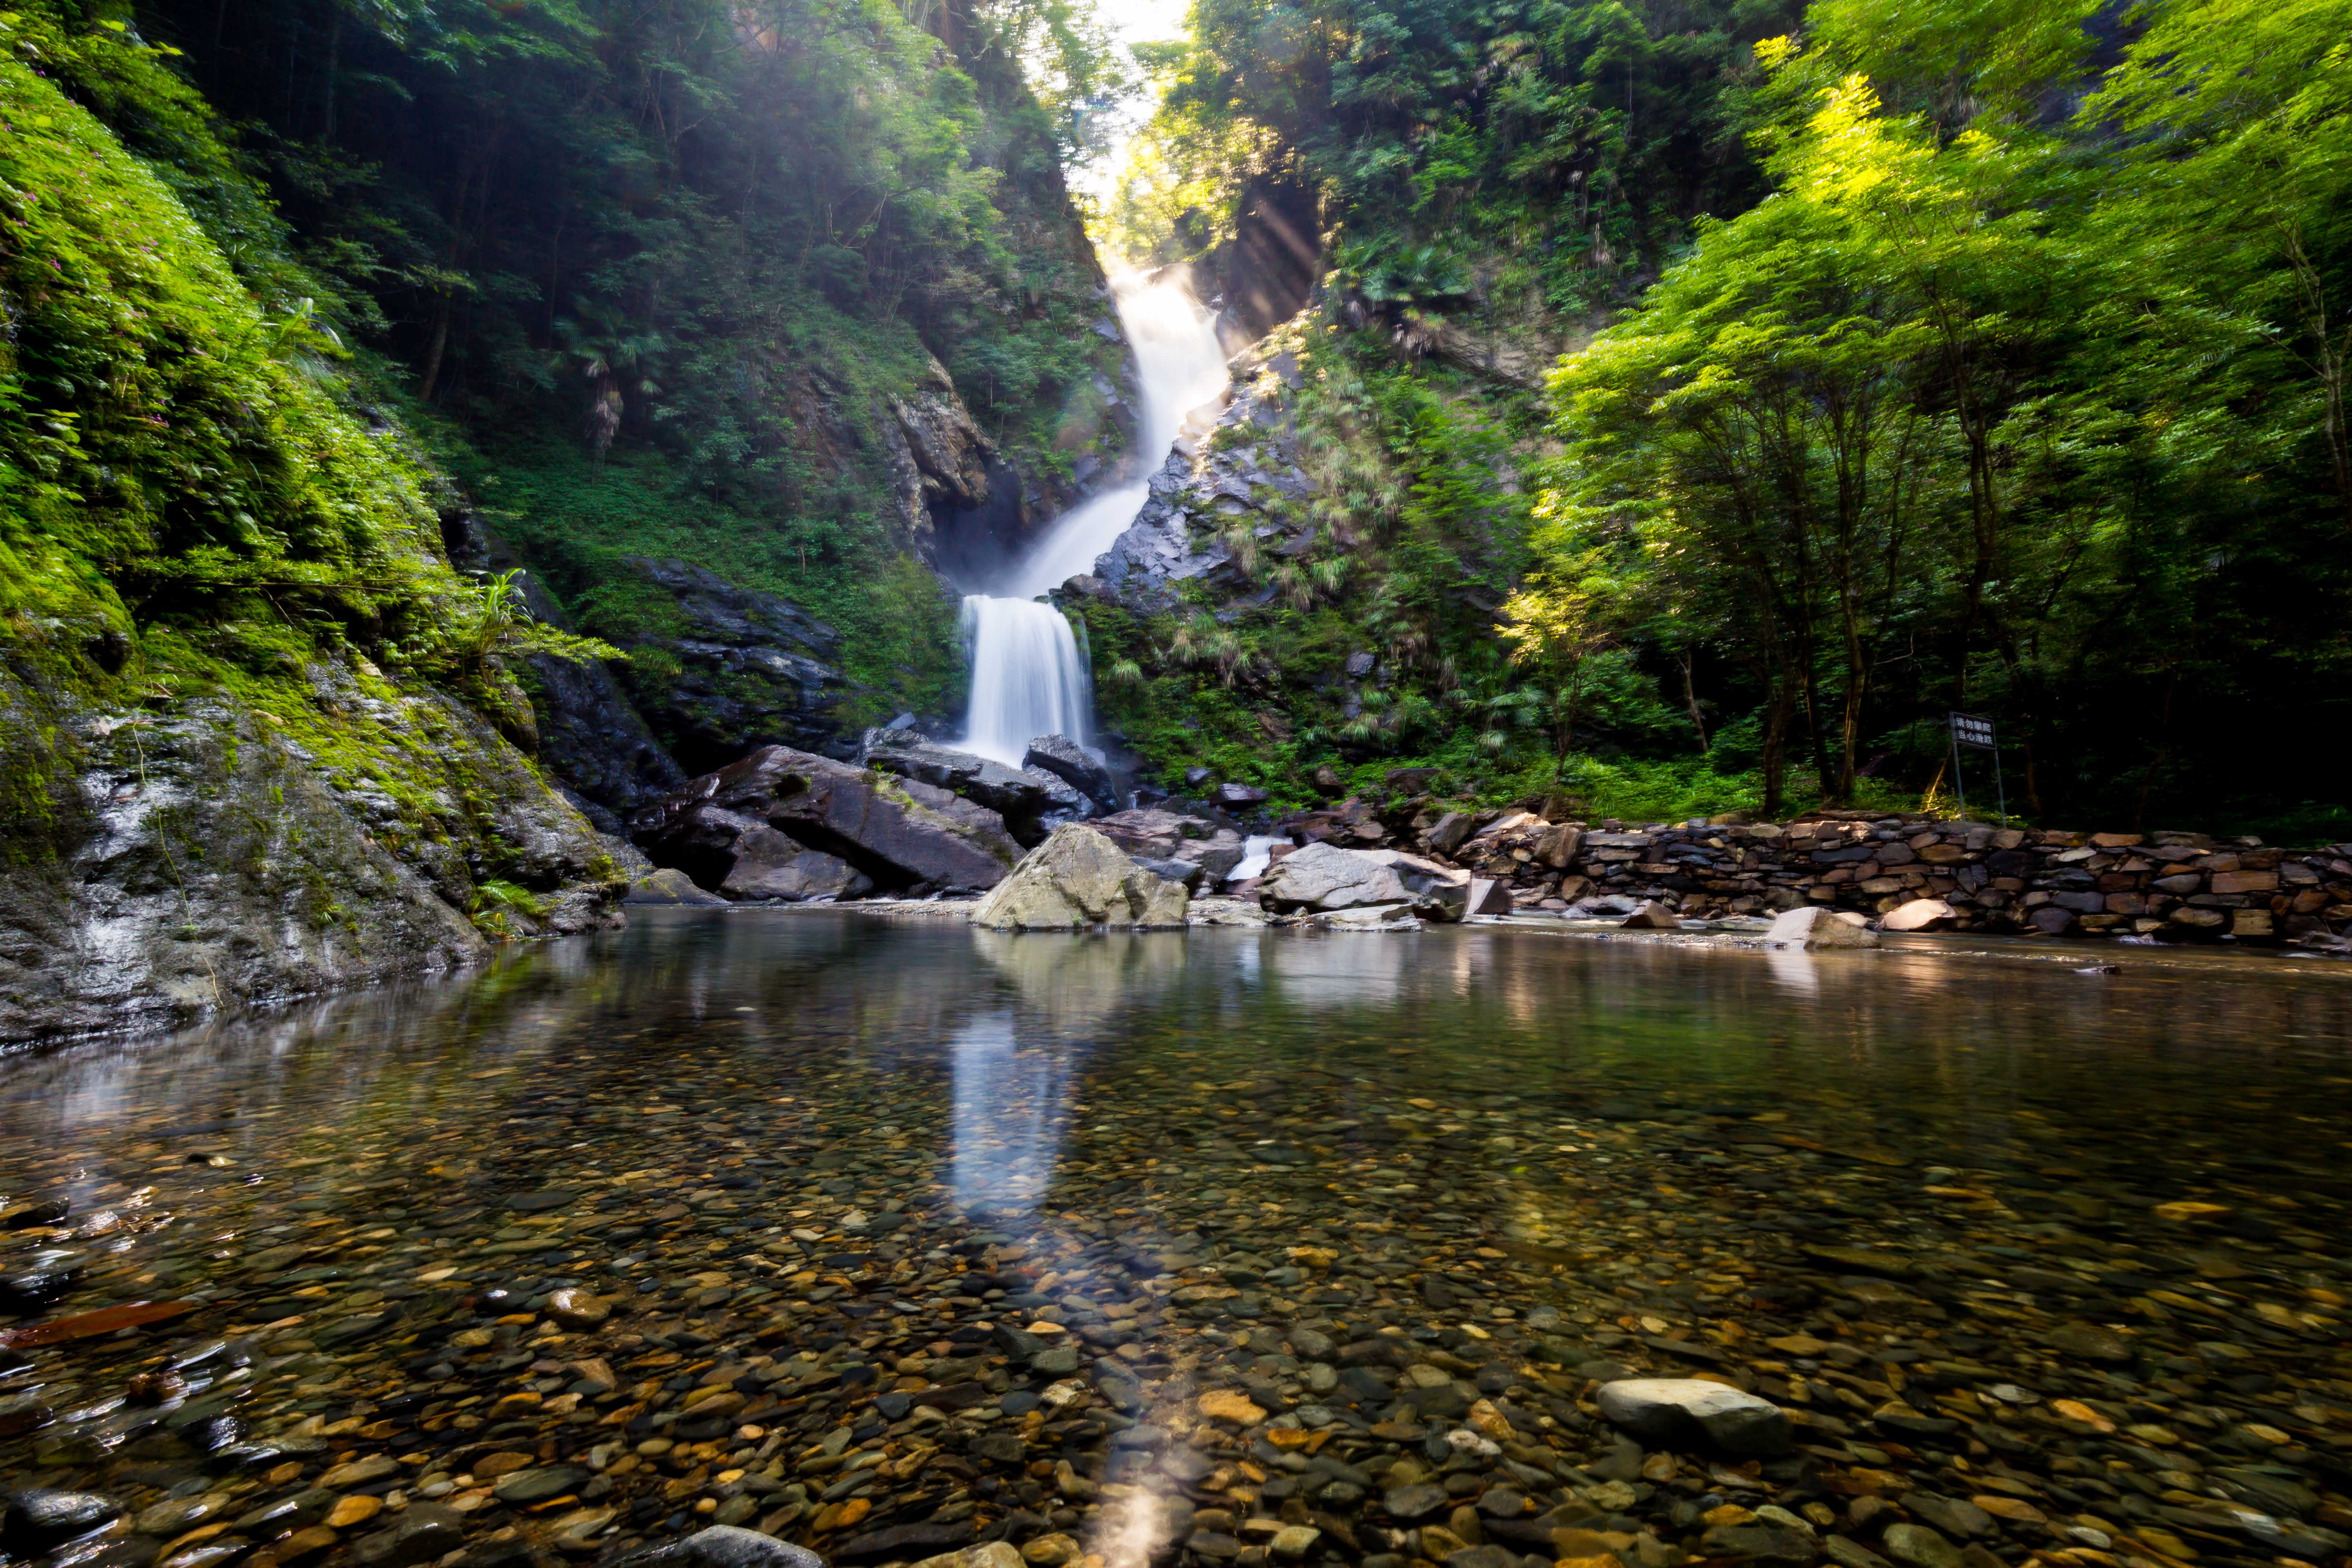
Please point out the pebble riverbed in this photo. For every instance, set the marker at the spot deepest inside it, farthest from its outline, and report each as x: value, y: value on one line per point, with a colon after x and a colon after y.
x: 1227, y: 1247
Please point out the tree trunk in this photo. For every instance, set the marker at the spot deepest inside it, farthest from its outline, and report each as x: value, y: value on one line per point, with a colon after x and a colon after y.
x: 1690, y: 697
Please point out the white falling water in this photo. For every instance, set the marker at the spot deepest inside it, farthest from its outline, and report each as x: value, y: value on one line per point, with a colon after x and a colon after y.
x: 1028, y: 677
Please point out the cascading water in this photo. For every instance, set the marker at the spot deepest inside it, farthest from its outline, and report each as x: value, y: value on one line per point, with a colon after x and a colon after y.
x: 1028, y: 676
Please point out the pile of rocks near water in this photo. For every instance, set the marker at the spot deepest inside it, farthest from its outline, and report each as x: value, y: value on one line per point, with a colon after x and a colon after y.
x: 1930, y: 874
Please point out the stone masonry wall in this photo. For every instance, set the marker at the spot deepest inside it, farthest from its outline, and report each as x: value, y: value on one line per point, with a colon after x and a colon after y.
x: 2171, y: 886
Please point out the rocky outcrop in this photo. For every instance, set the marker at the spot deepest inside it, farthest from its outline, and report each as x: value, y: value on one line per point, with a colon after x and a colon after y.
x: 1234, y: 465
x: 746, y: 826
x: 202, y: 853
x: 1325, y: 879
x: 1078, y: 878
x: 1033, y: 805
x: 586, y: 731
x: 751, y: 669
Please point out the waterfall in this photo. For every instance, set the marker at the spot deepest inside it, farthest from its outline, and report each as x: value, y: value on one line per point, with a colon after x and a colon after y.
x: 1028, y: 677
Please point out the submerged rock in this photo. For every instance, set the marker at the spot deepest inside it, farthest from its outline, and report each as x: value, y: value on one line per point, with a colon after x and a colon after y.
x: 725, y: 1546
x: 896, y: 832
x: 1681, y: 1410
x: 1079, y: 878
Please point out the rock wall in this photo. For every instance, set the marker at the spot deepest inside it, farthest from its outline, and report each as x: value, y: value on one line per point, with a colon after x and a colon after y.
x: 2168, y: 886
x: 178, y: 856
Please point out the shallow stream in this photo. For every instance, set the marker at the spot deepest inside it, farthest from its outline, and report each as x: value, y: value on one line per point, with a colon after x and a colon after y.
x: 1254, y: 1246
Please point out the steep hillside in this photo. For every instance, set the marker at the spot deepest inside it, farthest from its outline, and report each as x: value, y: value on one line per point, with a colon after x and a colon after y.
x: 712, y: 335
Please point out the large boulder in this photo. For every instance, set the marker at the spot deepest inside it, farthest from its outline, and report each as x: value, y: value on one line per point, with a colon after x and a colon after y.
x: 1031, y: 804
x: 1813, y: 926
x: 1216, y: 855
x: 899, y: 834
x: 1077, y: 879
x: 1082, y: 768
x: 1324, y: 878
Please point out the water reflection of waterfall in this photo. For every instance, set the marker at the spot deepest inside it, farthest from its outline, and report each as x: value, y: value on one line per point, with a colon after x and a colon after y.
x: 1028, y: 676
x: 1012, y: 1107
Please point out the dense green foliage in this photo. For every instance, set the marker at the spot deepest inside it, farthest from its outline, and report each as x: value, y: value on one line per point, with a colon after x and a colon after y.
x: 1980, y: 357
x: 1532, y: 157
x: 1997, y: 413
x: 645, y: 280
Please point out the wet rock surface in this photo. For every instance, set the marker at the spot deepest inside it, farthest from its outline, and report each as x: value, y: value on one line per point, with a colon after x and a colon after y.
x: 752, y: 669
x: 1032, y: 803
x: 917, y: 1244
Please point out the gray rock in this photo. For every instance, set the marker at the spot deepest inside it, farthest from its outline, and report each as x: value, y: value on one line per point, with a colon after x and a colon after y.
x: 1953, y: 1517
x: 1416, y: 1501
x: 425, y: 1533
x: 1488, y: 895
x: 1081, y: 767
x: 1449, y: 832
x: 1653, y: 916
x: 1813, y: 926
x: 1031, y: 804
x: 1848, y: 1553
x: 664, y: 885
x: 1667, y: 1410
x: 725, y: 1548
x: 1326, y: 878
x: 537, y: 1483
x: 1079, y: 878
x: 111, y: 920
x: 1770, y: 1546
x: 770, y: 865
x: 1237, y: 796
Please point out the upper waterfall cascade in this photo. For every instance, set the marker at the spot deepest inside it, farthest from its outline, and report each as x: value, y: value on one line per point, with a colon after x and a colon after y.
x: 1029, y: 676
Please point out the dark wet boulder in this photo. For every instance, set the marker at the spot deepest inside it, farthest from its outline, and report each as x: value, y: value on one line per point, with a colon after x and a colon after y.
x: 1031, y: 804
x: 899, y: 833
x: 35, y: 1519
x: 1081, y: 767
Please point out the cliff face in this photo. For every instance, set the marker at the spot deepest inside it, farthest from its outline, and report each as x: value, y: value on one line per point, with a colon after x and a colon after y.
x: 226, y: 848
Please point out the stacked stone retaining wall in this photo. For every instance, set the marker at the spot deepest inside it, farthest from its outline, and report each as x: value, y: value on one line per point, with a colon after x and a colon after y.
x: 2171, y: 886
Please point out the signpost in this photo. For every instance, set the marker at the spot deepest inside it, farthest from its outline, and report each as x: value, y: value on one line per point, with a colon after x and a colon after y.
x: 1970, y: 730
